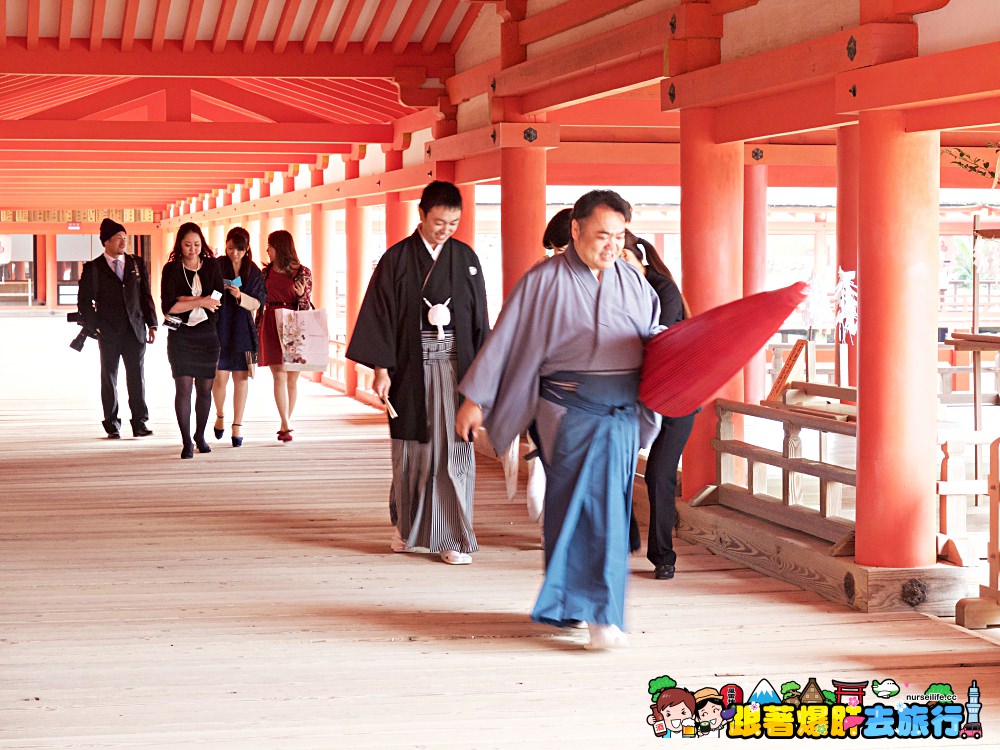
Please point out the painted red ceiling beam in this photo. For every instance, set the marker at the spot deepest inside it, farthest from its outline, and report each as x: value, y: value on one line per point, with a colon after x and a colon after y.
x: 223, y: 24
x: 264, y: 162
x: 404, y: 34
x: 804, y: 109
x: 111, y: 147
x: 372, y: 102
x: 321, y: 11
x: 252, y: 32
x: 191, y: 23
x: 617, y: 110
x: 377, y: 25
x: 99, y: 8
x: 292, y: 92
x: 912, y: 7
x: 88, y: 130
x: 345, y: 29
x: 464, y: 26
x: 285, y: 22
x: 209, y: 109
x: 790, y: 67
x: 624, y: 76
x: 3, y: 24
x: 980, y: 113
x: 129, y: 18
x: 47, y: 93
x: 159, y: 32
x: 565, y: 16
x: 32, y: 23
x: 231, y: 63
x: 278, y: 111
x: 625, y: 43
x: 65, y: 23
x: 720, y: 7
x: 134, y: 173
x: 89, y: 103
x: 922, y: 81
x: 439, y: 22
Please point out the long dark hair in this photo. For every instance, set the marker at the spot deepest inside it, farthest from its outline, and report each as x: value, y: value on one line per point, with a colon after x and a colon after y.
x: 184, y: 230
x: 285, y: 257
x: 240, y: 238
x: 644, y: 249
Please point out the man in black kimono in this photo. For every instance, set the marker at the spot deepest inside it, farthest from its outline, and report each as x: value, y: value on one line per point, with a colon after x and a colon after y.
x: 421, y: 324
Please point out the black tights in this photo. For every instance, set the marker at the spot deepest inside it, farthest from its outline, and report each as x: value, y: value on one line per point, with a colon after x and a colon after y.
x: 202, y: 406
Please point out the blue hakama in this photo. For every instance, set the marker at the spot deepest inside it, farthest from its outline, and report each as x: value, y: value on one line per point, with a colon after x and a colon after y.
x: 588, y: 498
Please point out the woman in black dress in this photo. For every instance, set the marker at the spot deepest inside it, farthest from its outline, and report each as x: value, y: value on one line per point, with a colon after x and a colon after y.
x: 190, y: 295
x: 665, y: 453
x: 246, y: 292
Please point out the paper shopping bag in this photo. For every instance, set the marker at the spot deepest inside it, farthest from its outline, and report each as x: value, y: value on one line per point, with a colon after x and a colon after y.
x: 305, y: 342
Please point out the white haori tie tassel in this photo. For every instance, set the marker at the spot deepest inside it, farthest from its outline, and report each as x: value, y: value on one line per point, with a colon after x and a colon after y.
x: 439, y: 315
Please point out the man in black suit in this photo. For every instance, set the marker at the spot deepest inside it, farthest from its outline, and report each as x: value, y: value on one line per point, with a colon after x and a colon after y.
x: 115, y: 300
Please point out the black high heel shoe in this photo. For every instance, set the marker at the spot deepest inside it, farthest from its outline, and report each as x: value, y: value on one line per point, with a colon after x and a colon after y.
x: 203, y: 447
x: 218, y: 432
x: 187, y: 451
x: 237, y: 439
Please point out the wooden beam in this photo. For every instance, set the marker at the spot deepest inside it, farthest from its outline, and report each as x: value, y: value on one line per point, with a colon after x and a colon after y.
x: 567, y: 15
x: 316, y: 23
x: 912, y: 7
x: 628, y: 42
x: 408, y: 25
x: 192, y: 132
x: 442, y: 17
x: 171, y: 60
x: 191, y: 23
x: 922, y: 81
x: 274, y: 110
x: 346, y: 26
x: 262, y: 149
x: 223, y: 24
x: 957, y: 115
x: 130, y: 17
x: 97, y: 24
x: 65, y: 23
x: 378, y: 23
x: 159, y: 25
x: 106, y: 98
x: 465, y: 25
x: 3, y: 24
x: 597, y: 84
x: 251, y: 35
x: 790, y: 67
x: 500, y: 135
x: 284, y: 29
x: 32, y: 23
x: 780, y: 113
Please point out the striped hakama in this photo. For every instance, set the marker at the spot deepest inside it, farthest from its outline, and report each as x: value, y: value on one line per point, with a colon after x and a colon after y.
x: 433, y: 483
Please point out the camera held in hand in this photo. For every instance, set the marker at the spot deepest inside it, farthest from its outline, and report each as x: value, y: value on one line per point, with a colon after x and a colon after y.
x: 86, y: 332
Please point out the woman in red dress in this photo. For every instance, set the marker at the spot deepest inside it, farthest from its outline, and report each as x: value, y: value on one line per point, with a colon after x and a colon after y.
x: 289, y: 285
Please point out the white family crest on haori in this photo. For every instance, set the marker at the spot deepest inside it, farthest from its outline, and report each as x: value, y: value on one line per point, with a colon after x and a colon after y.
x: 473, y: 270
x: 439, y: 315
x: 846, y: 296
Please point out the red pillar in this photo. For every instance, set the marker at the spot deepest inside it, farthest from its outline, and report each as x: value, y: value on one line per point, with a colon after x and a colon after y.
x: 355, y: 234
x: 317, y: 224
x: 899, y: 180
x: 398, y: 225
x: 522, y: 211
x: 711, y: 258
x: 45, y: 272
x: 848, y: 148
x: 754, y: 266
x: 466, y: 231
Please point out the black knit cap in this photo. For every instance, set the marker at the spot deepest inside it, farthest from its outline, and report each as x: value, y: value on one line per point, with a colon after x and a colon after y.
x: 109, y: 229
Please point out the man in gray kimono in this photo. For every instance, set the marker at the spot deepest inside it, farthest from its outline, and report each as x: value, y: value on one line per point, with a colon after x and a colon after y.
x: 567, y: 352
x: 421, y: 323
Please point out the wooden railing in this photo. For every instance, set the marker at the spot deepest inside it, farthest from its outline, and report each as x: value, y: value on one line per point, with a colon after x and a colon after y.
x: 787, y: 510
x: 984, y: 610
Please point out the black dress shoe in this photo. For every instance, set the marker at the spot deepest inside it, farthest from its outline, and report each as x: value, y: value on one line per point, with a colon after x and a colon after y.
x: 664, y: 572
x: 114, y: 435
x: 141, y: 431
x: 187, y: 451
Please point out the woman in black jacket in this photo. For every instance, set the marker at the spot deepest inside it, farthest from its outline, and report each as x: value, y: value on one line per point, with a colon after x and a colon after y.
x: 190, y: 295
x: 665, y: 453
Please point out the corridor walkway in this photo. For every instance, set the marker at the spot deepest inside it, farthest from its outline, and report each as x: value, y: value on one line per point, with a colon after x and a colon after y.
x: 247, y: 599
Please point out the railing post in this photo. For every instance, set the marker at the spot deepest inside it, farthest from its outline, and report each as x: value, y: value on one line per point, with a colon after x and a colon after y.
x: 724, y: 462
x: 791, y: 482
x: 994, y: 544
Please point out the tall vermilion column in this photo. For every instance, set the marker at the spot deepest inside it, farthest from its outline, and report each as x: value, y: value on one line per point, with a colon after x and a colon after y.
x: 45, y: 272
x: 355, y: 235
x: 754, y: 266
x: 317, y: 228
x: 466, y: 231
x: 522, y: 211
x: 899, y: 181
x: 398, y: 225
x: 711, y: 258
x: 848, y: 148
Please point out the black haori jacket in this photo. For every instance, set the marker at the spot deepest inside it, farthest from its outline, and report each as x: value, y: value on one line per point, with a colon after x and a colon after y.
x: 387, y: 333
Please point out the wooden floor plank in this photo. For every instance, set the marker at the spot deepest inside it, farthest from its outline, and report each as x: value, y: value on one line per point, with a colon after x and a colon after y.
x: 247, y: 598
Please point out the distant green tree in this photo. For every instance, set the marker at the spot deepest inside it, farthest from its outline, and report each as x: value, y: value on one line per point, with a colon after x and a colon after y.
x: 940, y: 688
x: 787, y: 688
x: 658, y: 684
x: 830, y: 696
